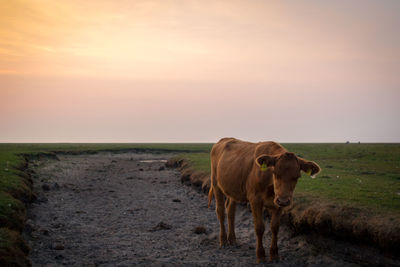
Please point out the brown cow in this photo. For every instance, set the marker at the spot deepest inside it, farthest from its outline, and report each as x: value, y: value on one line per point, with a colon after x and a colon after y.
x: 264, y: 174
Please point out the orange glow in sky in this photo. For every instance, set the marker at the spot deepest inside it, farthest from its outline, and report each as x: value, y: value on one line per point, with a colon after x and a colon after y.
x: 170, y: 71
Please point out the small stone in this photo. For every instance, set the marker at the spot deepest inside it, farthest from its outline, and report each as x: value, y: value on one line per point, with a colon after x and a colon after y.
x: 58, y: 246
x: 57, y: 225
x: 59, y: 257
x: 34, y: 197
x: 141, y: 169
x: 176, y: 200
x: 161, y: 168
x: 44, y: 232
x: 80, y: 211
x: 42, y: 199
x: 160, y: 226
x: 56, y: 186
x: 45, y: 187
x: 29, y: 227
x: 199, y: 230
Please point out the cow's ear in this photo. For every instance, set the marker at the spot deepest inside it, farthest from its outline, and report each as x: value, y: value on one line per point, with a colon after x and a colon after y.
x: 309, y: 167
x: 265, y: 160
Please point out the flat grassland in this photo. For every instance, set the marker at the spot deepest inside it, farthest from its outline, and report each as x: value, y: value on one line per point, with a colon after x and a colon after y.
x: 363, y: 176
x: 359, y: 175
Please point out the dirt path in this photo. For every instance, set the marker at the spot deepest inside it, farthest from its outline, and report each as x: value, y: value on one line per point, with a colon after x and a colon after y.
x: 127, y: 209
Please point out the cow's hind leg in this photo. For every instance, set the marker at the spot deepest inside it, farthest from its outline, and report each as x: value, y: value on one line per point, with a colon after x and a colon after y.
x: 220, y: 209
x: 231, y: 207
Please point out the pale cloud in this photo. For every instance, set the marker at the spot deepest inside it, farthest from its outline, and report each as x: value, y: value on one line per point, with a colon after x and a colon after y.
x: 219, y: 40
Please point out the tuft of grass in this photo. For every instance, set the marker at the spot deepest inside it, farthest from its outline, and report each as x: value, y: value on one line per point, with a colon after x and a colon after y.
x: 12, y: 212
x: 199, y: 161
x: 13, y: 249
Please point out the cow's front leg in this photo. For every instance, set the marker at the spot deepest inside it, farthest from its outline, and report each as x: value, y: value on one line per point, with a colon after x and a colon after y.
x: 275, y: 220
x: 231, y: 207
x: 220, y: 209
x: 257, y: 210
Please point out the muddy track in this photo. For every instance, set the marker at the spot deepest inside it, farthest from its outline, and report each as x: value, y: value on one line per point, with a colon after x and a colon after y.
x: 127, y: 209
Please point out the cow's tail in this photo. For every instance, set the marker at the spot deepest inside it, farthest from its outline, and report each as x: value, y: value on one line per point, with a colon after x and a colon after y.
x: 211, y: 191
x: 210, y: 195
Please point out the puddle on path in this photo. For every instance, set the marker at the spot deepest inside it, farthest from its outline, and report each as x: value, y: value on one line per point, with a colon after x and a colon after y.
x: 153, y: 161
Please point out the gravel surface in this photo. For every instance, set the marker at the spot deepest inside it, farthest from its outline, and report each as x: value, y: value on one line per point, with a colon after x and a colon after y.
x: 127, y: 209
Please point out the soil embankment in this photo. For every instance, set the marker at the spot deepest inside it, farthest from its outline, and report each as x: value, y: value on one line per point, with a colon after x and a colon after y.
x: 127, y: 209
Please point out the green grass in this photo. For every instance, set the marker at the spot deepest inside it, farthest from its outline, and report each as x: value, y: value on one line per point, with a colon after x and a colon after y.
x: 199, y: 161
x: 360, y: 175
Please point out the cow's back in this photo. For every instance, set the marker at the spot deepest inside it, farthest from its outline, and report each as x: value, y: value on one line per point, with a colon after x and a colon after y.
x: 232, y: 161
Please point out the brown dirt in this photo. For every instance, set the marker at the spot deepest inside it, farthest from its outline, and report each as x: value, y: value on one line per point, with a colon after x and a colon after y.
x: 125, y: 209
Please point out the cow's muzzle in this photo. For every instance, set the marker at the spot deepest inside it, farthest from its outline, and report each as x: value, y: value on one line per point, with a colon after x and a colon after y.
x: 282, y: 202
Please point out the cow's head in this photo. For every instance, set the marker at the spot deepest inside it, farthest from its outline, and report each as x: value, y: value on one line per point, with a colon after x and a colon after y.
x: 286, y: 172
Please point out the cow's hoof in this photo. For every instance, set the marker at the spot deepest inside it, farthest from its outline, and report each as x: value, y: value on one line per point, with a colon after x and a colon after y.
x: 260, y: 255
x: 232, y: 241
x: 223, y: 244
x: 274, y: 258
x: 222, y: 241
x: 260, y: 260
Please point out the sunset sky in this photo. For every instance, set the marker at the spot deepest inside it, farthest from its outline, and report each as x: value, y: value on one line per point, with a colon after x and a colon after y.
x: 196, y: 71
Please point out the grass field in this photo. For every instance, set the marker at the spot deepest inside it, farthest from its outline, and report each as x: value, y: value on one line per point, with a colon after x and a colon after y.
x: 361, y: 175
x: 364, y: 176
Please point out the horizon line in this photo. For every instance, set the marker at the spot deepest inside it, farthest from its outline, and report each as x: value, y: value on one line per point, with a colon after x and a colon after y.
x: 193, y: 142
